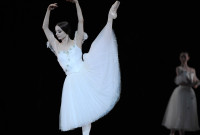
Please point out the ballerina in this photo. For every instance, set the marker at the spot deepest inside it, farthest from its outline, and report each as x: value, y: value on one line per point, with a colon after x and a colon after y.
x: 181, y: 113
x: 92, y: 84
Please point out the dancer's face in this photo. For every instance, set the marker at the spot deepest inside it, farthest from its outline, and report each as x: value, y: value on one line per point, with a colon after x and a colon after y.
x: 184, y: 58
x: 60, y: 33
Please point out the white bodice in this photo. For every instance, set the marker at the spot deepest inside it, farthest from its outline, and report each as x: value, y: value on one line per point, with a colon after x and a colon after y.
x: 71, y: 60
x: 184, y: 76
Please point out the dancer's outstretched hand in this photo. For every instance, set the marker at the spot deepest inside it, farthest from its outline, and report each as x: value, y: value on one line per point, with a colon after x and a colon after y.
x: 52, y: 6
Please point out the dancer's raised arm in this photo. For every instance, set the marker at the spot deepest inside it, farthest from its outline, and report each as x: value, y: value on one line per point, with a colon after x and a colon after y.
x: 80, y: 29
x: 45, y: 26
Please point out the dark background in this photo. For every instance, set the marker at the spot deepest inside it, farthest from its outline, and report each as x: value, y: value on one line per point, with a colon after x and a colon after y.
x: 150, y: 36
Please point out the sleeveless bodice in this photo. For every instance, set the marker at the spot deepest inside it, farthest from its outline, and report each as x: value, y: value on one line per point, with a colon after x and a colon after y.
x: 71, y: 60
x: 185, y: 76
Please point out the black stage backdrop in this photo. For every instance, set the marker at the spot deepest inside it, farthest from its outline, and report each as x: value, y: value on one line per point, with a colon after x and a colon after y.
x: 150, y: 37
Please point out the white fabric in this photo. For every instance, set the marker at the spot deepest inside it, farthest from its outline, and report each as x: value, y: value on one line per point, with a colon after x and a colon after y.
x: 184, y: 76
x: 70, y: 61
x: 92, y: 87
x: 50, y: 47
x: 181, y: 112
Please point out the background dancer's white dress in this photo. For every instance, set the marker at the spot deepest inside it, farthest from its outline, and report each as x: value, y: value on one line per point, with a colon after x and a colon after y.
x: 92, y: 85
x: 181, y: 112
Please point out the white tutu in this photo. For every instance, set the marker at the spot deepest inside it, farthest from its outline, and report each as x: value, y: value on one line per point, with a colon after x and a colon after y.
x: 92, y: 87
x: 181, y: 112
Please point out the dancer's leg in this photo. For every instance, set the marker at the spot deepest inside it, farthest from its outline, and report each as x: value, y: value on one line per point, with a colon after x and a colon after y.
x: 86, y: 129
x: 172, y: 132
x: 181, y: 132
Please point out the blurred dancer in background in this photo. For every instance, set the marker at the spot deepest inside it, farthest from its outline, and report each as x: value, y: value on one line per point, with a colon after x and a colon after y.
x: 181, y: 112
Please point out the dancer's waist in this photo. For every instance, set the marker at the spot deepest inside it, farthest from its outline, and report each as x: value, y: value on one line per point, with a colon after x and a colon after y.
x: 74, y: 68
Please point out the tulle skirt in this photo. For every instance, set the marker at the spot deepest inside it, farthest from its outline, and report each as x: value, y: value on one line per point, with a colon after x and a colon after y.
x: 181, y: 112
x: 93, y: 91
